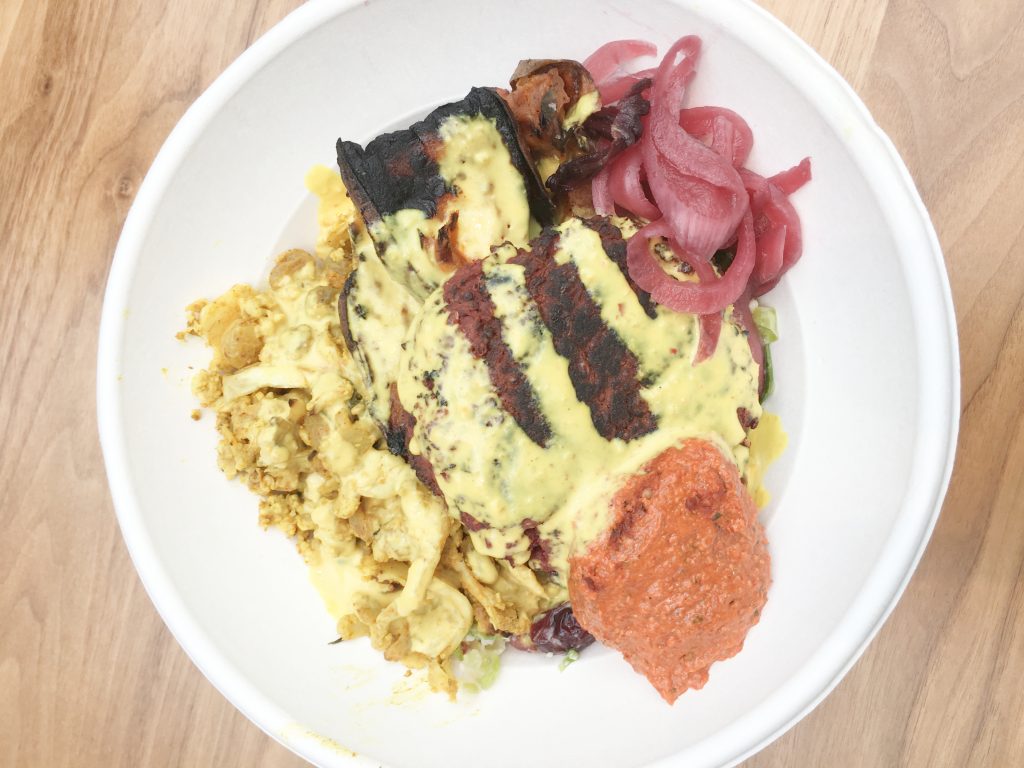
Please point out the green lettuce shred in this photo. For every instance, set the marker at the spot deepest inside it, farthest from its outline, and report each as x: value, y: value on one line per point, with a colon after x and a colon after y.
x: 571, y: 657
x: 767, y: 324
x: 477, y: 665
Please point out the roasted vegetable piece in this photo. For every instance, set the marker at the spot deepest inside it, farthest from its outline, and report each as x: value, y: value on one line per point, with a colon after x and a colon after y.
x: 375, y: 313
x: 423, y: 191
x: 557, y: 631
x: 544, y: 94
x: 434, y: 196
x: 609, y: 132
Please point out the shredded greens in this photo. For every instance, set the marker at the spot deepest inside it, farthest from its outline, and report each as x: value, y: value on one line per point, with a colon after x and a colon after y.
x: 478, y: 661
x: 767, y: 324
x: 769, y: 374
x: 571, y: 656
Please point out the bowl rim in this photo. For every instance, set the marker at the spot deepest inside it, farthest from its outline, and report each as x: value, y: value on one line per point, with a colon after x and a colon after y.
x: 890, y: 574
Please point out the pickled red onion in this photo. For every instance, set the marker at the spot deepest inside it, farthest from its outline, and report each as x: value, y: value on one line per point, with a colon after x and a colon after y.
x: 711, y: 324
x: 611, y: 91
x: 686, y: 177
x: 790, y: 180
x: 722, y: 129
x: 626, y: 187
x: 746, y: 320
x: 609, y: 58
x: 710, y: 330
x: 698, y: 191
x: 776, y: 225
x: 701, y: 298
x: 600, y: 190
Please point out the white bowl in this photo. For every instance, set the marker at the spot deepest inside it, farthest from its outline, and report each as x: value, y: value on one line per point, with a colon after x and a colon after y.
x: 867, y: 385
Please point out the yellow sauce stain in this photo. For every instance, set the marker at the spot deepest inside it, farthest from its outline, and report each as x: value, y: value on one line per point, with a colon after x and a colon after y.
x: 767, y: 442
x: 294, y: 733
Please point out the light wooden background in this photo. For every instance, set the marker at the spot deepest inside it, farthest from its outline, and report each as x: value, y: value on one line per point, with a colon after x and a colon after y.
x: 89, y: 676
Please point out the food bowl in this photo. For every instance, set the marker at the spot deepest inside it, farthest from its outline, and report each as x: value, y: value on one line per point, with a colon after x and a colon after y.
x: 866, y: 384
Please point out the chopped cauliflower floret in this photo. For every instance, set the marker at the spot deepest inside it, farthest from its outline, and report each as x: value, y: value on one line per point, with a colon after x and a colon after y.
x: 291, y: 413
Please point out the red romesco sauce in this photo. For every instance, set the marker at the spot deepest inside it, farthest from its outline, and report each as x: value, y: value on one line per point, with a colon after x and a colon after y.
x: 682, y: 572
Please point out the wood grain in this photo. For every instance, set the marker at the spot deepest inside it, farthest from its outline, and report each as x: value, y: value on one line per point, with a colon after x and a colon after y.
x: 89, y: 676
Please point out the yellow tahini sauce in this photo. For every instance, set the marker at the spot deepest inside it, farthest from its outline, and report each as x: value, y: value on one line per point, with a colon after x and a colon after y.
x: 484, y: 189
x: 490, y: 469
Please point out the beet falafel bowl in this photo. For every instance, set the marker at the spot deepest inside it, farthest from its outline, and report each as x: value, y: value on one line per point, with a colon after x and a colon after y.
x: 517, y: 375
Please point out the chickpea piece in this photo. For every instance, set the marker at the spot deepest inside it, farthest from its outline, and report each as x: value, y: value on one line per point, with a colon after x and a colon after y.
x: 288, y: 263
x: 241, y: 344
x: 321, y: 301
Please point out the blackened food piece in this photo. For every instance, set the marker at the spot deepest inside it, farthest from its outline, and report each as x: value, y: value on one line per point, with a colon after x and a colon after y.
x: 374, y: 314
x: 399, y: 170
x: 543, y: 93
x: 398, y: 433
x: 603, y: 370
x: 351, y: 313
x: 576, y: 79
x: 540, y: 550
x: 345, y: 300
x: 747, y: 421
x: 447, y: 250
x: 557, y: 631
x: 395, y: 171
x: 611, y: 130
x: 471, y: 309
x: 471, y: 522
x: 615, y: 246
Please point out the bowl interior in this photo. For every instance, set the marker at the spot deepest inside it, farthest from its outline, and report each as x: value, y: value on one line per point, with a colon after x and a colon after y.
x: 864, y: 355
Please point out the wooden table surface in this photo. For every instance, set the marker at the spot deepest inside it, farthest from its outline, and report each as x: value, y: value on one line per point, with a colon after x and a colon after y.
x: 89, y: 675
